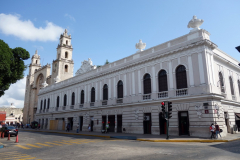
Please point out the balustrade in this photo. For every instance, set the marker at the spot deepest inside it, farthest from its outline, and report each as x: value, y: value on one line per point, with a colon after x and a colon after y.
x: 146, y: 96
x: 163, y: 94
x: 182, y: 92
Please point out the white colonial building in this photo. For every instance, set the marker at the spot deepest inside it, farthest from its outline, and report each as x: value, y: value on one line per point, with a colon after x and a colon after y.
x: 200, y: 80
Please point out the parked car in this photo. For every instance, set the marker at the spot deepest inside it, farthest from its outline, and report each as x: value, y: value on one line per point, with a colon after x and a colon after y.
x: 11, y: 130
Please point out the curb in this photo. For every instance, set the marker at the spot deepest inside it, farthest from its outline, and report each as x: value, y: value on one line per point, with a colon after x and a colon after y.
x: 138, y: 139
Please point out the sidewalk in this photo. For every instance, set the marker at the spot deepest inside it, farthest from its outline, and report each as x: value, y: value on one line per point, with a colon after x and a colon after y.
x: 143, y: 137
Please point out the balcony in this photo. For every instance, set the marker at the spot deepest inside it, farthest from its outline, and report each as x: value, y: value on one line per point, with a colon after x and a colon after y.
x: 233, y: 97
x: 119, y: 100
x: 182, y: 92
x: 163, y: 94
x: 104, y: 102
x: 146, y: 96
x: 64, y: 108
x: 91, y: 104
x: 81, y: 106
x: 71, y: 107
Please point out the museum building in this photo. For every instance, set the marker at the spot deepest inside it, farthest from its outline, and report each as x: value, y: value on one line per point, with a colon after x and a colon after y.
x: 200, y: 80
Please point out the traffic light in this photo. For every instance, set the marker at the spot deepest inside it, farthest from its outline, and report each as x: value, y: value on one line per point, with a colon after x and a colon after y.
x: 163, y: 109
x: 169, y: 110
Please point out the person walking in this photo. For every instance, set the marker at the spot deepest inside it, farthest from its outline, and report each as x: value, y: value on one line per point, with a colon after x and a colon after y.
x: 89, y: 128
x: 78, y: 128
x: 68, y: 127
x: 217, y: 130
x: 107, y: 126
x: 212, y: 129
x: 39, y: 126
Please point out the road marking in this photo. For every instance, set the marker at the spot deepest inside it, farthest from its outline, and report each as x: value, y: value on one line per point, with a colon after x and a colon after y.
x: 33, y: 146
x: 53, y: 143
x: 28, y: 158
x: 62, y: 142
x: 22, y: 147
x: 44, y: 144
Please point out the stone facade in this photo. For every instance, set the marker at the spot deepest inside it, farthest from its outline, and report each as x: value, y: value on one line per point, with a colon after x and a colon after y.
x: 13, y: 115
x: 207, y: 98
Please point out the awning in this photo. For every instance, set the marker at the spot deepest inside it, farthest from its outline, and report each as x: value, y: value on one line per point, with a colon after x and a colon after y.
x: 237, y: 115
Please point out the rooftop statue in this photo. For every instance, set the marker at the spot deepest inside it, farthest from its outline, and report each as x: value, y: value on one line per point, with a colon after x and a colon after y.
x: 86, y: 66
x: 140, y: 45
x: 195, y: 23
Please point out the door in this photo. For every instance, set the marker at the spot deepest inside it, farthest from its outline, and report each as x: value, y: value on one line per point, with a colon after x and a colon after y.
x: 147, y: 123
x: 92, y: 123
x: 237, y: 118
x: 111, y: 121
x: 81, y: 122
x: 119, y: 123
x: 70, y: 121
x: 104, y: 122
x: 183, y: 123
x: 162, y: 124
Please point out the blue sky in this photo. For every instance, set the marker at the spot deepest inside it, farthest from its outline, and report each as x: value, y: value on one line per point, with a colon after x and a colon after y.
x: 109, y: 29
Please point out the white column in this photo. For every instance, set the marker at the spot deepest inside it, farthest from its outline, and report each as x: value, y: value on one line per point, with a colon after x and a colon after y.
x: 190, y: 69
x: 109, y: 89
x: 100, y: 90
x: 201, y: 70
x: 153, y: 80
x: 133, y: 84
x: 76, y: 90
x: 96, y: 91
x: 139, y: 83
x: 170, y: 74
x: 212, y: 68
x: 125, y: 85
x: 209, y: 67
x: 114, y: 87
x: 85, y: 93
x: 89, y: 93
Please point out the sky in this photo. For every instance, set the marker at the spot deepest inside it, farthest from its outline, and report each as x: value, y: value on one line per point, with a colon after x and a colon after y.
x: 109, y: 29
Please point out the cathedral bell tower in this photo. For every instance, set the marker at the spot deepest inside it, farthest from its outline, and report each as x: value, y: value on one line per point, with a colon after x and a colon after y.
x: 35, y: 63
x: 62, y: 67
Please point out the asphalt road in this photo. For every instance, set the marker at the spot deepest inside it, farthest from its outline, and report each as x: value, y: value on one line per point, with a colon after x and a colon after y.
x: 52, y: 146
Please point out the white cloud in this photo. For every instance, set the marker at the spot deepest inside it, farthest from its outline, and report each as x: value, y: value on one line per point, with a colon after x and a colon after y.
x: 70, y: 17
x: 15, y: 94
x: 38, y: 47
x: 25, y: 30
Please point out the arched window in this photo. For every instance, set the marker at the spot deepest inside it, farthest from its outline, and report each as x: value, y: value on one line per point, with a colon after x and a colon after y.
x: 120, y: 89
x: 36, y: 61
x: 93, y: 94
x: 147, y: 84
x: 162, y: 81
x: 221, y: 82
x: 82, y: 96
x: 231, y: 85
x: 65, y: 100
x: 66, y: 68
x: 41, y: 105
x: 44, y: 104
x: 66, y: 42
x: 239, y: 87
x: 48, y: 104
x: 66, y: 54
x: 73, y: 98
x: 57, y: 101
x: 181, y: 77
x: 105, y: 92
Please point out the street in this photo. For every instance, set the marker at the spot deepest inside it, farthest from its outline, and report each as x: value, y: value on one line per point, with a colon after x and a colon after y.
x: 53, y: 146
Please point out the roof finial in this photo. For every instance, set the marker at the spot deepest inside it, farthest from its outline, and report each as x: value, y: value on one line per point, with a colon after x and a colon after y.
x: 36, y: 52
x: 65, y: 31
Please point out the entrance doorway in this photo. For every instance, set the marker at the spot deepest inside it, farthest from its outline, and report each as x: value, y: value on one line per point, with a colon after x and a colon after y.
x: 119, y: 123
x: 70, y: 121
x: 147, y: 123
x: 237, y: 118
x: 92, y: 123
x: 104, y: 119
x: 162, y: 124
x: 81, y: 122
x: 183, y: 123
x: 111, y: 121
x: 227, y: 121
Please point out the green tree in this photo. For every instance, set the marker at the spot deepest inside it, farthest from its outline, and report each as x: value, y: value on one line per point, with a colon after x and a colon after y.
x: 106, y: 62
x: 11, y: 65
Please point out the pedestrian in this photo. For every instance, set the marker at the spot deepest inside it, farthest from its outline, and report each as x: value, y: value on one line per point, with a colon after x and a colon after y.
x: 39, y: 126
x: 78, y: 128
x: 217, y: 130
x: 36, y: 125
x: 68, y: 127
x: 212, y: 129
x: 89, y: 128
x: 107, y: 126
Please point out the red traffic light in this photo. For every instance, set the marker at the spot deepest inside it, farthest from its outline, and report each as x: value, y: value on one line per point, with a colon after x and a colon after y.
x: 162, y: 103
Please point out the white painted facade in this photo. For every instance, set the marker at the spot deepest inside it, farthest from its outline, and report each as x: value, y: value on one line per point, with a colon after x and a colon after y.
x: 203, y: 61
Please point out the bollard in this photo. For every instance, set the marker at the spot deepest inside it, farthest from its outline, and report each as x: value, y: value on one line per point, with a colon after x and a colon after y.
x: 16, y: 139
x: 8, y: 136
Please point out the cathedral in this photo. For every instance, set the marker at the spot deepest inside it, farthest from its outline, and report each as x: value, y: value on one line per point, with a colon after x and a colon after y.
x: 201, y: 81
